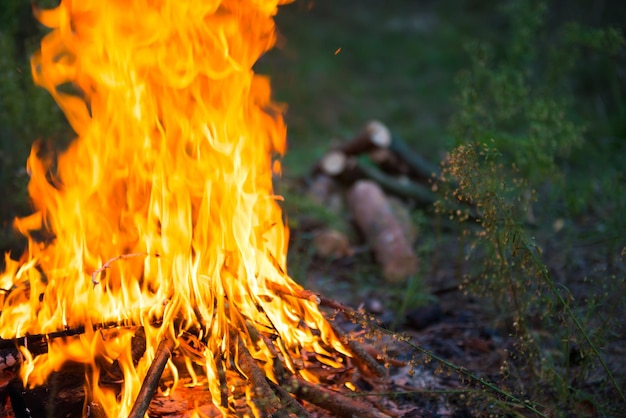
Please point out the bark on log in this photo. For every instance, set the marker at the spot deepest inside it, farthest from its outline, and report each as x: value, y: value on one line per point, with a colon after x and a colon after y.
x: 374, y: 216
x: 264, y: 398
x: 151, y: 381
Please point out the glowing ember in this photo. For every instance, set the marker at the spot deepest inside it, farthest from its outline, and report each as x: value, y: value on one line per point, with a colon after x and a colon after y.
x: 162, y: 209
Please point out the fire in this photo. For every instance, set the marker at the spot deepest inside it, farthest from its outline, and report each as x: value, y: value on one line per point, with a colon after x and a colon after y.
x: 162, y: 210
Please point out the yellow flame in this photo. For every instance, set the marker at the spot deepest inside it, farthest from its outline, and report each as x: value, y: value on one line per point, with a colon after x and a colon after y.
x: 162, y: 209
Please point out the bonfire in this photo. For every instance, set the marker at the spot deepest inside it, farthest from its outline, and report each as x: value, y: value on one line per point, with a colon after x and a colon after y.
x: 159, y: 223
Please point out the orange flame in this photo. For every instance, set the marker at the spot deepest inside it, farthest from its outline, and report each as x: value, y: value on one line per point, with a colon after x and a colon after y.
x: 162, y: 209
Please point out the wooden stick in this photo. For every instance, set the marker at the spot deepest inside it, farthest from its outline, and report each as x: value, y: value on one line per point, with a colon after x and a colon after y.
x: 110, y: 262
x: 289, y: 401
x: 263, y: 397
x: 151, y: 381
x: 38, y: 340
x: 340, y: 405
x: 366, y: 363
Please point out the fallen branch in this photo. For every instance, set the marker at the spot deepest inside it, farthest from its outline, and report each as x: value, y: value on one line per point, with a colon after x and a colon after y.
x: 366, y: 363
x: 151, y: 381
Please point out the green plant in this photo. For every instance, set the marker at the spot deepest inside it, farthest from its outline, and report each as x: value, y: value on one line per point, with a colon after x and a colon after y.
x: 526, y: 92
x: 528, y: 128
x: 539, y: 311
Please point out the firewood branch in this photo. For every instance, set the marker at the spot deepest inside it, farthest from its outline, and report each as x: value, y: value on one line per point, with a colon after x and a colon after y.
x: 151, y: 381
x: 110, y: 262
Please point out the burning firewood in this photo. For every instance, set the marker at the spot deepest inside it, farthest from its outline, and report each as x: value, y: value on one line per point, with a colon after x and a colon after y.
x: 167, y: 233
x: 149, y: 385
x: 374, y: 216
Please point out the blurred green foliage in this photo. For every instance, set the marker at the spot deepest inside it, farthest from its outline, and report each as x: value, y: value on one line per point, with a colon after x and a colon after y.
x: 525, y: 91
x: 535, y: 111
x: 27, y: 112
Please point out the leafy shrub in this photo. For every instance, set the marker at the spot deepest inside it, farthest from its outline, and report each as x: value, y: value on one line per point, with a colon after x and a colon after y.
x: 525, y: 122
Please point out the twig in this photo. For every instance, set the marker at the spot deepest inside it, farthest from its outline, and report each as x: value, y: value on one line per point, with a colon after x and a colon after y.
x: 151, y: 381
x: 388, y: 360
x: 289, y: 401
x: 42, y: 339
x: 352, y: 314
x: 113, y: 260
x: 263, y: 397
x: 363, y: 360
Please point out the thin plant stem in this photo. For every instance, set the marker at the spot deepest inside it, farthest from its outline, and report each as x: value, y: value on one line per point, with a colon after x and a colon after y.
x: 548, y: 279
x: 471, y: 376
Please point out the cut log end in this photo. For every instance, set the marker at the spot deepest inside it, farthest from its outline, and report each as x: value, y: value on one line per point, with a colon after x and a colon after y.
x: 333, y: 163
x: 378, y: 133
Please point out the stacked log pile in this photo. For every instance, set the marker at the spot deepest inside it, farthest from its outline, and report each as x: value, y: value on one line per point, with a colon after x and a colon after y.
x: 376, y: 174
